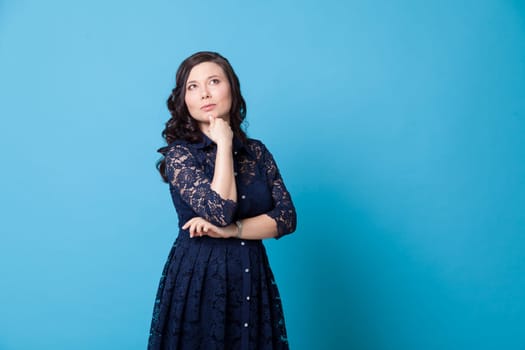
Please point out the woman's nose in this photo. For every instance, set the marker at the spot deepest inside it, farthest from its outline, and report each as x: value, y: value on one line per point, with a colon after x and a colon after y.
x: 205, y: 94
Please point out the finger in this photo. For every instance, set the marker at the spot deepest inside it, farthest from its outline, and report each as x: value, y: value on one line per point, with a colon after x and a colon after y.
x: 189, y: 222
x: 200, y: 227
x: 192, y: 228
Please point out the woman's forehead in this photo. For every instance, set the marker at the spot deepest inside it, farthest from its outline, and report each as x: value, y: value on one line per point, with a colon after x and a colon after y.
x: 204, y: 70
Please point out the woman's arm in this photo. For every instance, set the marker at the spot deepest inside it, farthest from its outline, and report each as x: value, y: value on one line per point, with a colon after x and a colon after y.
x: 223, y: 181
x: 283, y: 212
x: 257, y: 227
x: 214, y: 200
x: 279, y: 221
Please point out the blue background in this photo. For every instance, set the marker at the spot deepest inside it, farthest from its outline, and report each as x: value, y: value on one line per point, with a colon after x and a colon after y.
x: 398, y: 127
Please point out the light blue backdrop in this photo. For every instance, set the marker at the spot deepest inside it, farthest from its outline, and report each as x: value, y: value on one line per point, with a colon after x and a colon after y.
x: 398, y: 126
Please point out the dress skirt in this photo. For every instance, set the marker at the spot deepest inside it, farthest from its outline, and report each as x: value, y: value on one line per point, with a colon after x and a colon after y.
x: 217, y: 294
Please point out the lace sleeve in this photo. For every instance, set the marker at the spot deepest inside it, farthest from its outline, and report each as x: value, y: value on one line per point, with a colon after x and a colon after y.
x: 187, y: 177
x: 284, y: 211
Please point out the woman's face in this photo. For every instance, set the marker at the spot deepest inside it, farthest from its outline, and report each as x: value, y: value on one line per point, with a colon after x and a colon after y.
x: 208, y: 93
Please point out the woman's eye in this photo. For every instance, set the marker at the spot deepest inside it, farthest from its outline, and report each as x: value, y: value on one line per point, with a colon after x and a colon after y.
x: 214, y: 81
x: 191, y: 86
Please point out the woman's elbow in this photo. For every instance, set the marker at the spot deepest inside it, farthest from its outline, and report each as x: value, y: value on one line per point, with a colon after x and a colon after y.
x: 287, y: 224
x: 223, y: 215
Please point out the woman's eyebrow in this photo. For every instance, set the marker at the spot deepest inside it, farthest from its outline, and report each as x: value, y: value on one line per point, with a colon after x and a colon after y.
x: 211, y: 76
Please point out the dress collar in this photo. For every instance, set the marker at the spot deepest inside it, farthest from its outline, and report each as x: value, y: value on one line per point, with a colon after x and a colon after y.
x: 237, y: 145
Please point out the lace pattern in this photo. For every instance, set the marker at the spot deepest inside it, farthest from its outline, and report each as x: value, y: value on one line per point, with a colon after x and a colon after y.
x: 186, y: 175
x: 221, y: 293
x: 190, y: 170
x: 283, y: 212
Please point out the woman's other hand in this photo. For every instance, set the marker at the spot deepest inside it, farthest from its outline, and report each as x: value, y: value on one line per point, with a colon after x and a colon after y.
x: 199, y: 227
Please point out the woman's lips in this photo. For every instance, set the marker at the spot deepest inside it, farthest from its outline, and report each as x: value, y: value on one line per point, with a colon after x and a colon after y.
x: 208, y: 108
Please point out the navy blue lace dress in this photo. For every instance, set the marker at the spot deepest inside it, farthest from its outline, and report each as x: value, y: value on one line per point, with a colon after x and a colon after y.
x: 217, y: 293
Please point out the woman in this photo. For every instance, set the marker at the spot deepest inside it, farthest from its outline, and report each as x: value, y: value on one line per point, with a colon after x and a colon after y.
x: 217, y: 290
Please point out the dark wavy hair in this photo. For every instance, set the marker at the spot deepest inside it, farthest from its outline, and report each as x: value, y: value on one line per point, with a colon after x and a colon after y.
x: 181, y: 126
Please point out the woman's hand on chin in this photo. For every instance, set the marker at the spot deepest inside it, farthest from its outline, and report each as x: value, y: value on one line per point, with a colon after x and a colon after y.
x: 219, y: 130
